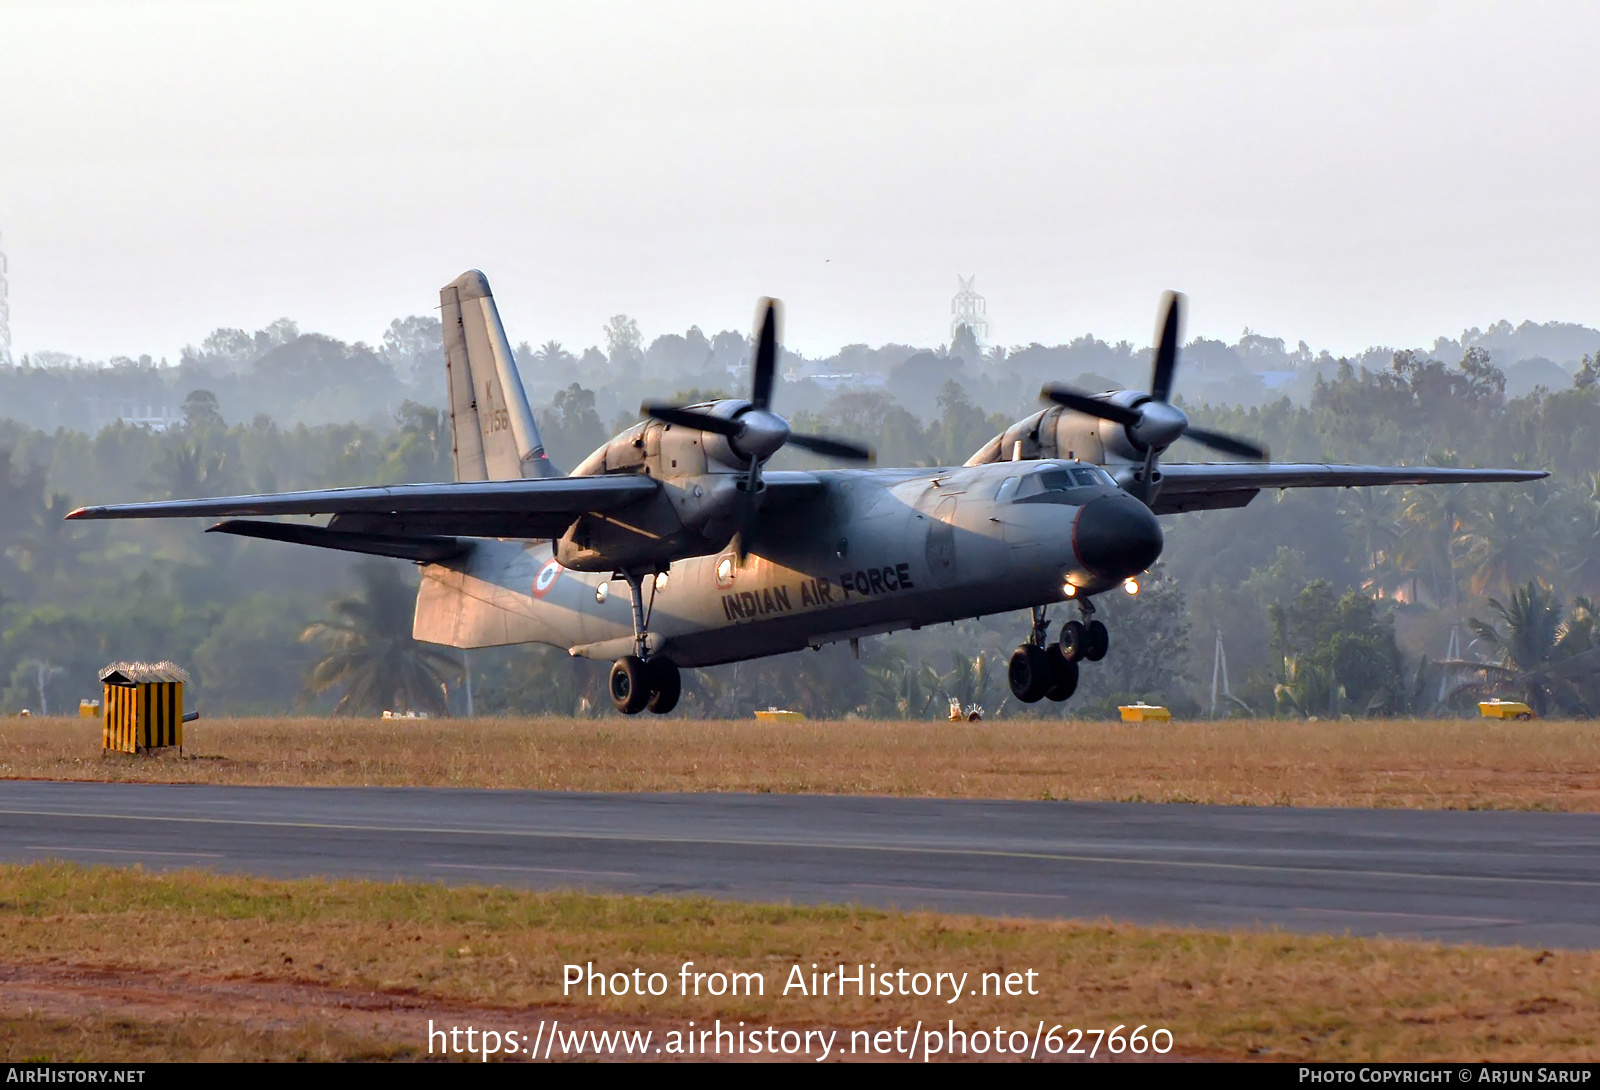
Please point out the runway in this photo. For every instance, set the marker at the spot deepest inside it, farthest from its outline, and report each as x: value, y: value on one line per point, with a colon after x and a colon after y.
x: 1490, y: 877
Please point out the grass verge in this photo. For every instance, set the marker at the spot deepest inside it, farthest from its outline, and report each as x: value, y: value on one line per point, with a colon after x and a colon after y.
x: 1437, y: 764
x: 112, y: 964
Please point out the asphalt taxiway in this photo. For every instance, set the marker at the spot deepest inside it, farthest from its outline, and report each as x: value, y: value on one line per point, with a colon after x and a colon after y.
x: 1491, y: 877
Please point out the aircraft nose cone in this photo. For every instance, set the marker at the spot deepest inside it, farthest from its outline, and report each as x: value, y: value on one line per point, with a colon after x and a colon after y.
x: 1116, y: 536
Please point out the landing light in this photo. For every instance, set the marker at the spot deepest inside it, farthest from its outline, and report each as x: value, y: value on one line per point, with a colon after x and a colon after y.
x: 1131, y: 587
x: 1069, y: 590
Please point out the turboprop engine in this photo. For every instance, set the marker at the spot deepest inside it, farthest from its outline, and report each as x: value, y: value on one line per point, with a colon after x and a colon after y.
x: 708, y: 458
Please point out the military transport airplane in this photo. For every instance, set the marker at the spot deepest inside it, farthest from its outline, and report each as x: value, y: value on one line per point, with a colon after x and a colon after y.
x: 672, y: 545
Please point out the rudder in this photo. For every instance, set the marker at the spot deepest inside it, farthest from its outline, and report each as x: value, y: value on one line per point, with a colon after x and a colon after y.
x: 493, y: 433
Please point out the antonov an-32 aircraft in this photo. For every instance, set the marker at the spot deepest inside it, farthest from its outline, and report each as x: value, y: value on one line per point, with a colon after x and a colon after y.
x: 672, y: 545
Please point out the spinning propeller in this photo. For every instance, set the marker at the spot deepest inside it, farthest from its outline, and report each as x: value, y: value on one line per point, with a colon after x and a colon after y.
x: 754, y: 432
x: 1152, y: 423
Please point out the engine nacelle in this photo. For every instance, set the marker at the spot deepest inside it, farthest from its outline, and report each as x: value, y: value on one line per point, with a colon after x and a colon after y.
x: 1119, y: 445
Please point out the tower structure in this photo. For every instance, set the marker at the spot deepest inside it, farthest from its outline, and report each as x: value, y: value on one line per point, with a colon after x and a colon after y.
x: 5, y: 312
x: 969, y: 310
x: 1219, y: 673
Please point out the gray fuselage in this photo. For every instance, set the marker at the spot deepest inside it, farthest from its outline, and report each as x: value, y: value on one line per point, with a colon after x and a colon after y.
x: 871, y: 552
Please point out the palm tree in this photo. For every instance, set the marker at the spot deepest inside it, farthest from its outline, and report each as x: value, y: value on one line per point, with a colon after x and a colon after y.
x: 1585, y: 573
x: 1431, y: 519
x: 370, y: 654
x: 1549, y: 660
x: 1506, y: 541
x: 1370, y: 515
x: 553, y: 358
x: 188, y: 470
x: 970, y: 678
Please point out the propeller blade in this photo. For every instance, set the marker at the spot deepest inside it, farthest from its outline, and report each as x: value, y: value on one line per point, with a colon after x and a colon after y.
x: 690, y: 418
x: 1089, y: 406
x: 1166, y: 361
x: 834, y: 448
x: 766, y: 361
x: 1227, y: 444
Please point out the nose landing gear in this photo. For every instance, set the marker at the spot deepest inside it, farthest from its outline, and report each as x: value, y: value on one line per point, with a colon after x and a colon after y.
x: 1085, y: 639
x: 641, y: 680
x: 1038, y: 671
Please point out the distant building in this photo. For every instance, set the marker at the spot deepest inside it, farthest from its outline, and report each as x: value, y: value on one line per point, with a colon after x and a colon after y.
x: 836, y: 380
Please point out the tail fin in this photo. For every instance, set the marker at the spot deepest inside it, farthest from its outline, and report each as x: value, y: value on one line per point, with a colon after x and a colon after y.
x: 494, y: 437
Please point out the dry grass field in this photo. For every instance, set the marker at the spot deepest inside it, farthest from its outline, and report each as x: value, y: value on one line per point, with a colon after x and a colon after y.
x: 1445, y: 764
x: 103, y: 964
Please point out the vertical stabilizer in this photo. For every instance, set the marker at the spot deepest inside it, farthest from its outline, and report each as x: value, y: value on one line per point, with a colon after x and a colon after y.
x: 493, y: 434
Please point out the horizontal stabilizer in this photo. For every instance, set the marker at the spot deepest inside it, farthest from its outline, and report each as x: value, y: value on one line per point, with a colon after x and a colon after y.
x: 424, y: 549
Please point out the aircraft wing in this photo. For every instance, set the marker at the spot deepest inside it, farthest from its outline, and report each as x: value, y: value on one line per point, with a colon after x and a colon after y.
x: 1200, y: 486
x: 537, y: 508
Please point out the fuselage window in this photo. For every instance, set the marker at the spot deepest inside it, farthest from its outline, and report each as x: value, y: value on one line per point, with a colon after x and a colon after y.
x: 1007, y: 489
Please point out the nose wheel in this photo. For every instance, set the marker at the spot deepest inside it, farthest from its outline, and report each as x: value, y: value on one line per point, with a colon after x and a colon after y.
x: 641, y: 680
x: 1080, y: 640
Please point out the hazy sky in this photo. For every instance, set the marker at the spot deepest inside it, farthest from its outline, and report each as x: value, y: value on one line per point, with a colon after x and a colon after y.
x: 1350, y: 174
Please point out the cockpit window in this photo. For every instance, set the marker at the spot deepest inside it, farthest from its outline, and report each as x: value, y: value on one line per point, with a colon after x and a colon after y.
x: 1055, y: 479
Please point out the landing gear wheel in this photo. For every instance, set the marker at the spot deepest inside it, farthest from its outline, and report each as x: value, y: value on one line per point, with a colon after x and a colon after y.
x: 1074, y: 641
x: 1063, y: 675
x: 630, y: 684
x: 1096, y: 641
x: 666, y: 685
x: 1029, y: 673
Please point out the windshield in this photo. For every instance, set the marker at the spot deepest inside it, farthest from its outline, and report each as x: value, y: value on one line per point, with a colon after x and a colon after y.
x: 1057, y: 478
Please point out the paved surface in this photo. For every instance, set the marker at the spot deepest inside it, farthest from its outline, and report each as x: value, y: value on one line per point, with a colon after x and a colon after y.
x: 1495, y: 877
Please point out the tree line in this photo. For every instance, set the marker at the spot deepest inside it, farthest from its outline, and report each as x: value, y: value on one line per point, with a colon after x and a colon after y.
x: 1396, y: 601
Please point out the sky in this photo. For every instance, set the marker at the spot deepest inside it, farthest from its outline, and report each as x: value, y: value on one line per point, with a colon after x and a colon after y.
x: 1349, y: 174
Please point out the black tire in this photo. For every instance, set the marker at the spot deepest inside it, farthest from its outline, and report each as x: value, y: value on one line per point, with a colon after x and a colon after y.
x: 630, y: 684
x: 666, y: 685
x: 1523, y: 716
x: 1074, y: 640
x: 1063, y: 676
x: 1096, y: 641
x: 1029, y: 673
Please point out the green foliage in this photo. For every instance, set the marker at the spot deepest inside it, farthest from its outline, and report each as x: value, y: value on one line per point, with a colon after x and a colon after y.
x: 1395, y: 568
x: 1540, y: 652
x: 1149, y: 655
x: 1338, y: 655
x: 369, y: 657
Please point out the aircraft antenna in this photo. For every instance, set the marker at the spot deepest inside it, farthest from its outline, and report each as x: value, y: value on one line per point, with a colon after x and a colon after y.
x: 969, y: 310
x: 5, y: 312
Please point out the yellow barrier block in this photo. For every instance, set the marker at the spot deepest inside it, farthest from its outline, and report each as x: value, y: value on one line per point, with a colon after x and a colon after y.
x: 1144, y: 713
x: 1504, y: 709
x: 88, y: 709
x: 779, y: 715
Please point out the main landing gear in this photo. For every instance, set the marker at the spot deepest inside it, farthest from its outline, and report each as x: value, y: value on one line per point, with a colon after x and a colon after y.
x: 640, y: 680
x: 1039, y: 670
